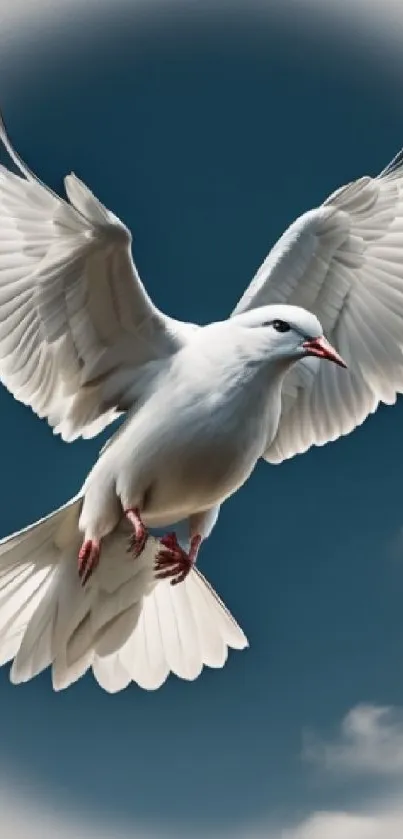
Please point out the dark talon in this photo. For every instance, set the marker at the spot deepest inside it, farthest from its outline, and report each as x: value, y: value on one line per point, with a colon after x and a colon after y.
x: 170, y: 541
x: 173, y: 562
x: 138, y: 540
x: 88, y: 560
x: 137, y: 544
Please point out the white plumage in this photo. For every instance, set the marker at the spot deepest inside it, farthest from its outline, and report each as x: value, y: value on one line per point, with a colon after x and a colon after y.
x: 123, y: 624
x: 343, y: 261
x: 81, y: 342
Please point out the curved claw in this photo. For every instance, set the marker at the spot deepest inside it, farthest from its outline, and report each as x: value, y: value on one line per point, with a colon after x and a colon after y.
x: 173, y: 561
x: 88, y: 559
x: 138, y: 540
x: 137, y: 543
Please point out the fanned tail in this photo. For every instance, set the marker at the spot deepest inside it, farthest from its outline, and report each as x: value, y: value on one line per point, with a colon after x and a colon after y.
x: 123, y: 624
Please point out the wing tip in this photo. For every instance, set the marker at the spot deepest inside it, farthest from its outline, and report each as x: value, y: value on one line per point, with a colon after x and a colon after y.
x: 394, y: 167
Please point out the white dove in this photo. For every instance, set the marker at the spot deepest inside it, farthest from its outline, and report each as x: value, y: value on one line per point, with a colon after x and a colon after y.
x: 81, y: 342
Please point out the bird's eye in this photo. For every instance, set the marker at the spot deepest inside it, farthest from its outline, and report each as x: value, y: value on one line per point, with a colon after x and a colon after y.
x: 281, y: 326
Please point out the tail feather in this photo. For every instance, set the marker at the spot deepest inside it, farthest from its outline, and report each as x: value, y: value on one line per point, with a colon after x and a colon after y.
x: 212, y: 643
x: 177, y: 630
x: 119, y: 629
x: 231, y: 632
x: 35, y: 651
x: 27, y: 563
x: 144, y: 658
x: 11, y: 645
x: 124, y: 624
x: 64, y: 675
x: 46, y: 620
x: 111, y: 674
x: 180, y: 643
x: 25, y: 616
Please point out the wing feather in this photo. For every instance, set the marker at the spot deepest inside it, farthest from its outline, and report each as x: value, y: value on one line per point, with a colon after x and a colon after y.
x: 344, y: 262
x: 76, y: 323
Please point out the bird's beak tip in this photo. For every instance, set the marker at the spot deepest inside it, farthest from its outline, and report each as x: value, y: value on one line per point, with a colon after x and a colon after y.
x: 321, y: 348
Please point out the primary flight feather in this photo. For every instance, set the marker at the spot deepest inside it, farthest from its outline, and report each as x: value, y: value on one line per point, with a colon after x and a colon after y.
x: 82, y: 343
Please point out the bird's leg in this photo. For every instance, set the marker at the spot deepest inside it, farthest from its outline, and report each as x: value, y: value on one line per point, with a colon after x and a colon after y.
x: 139, y: 538
x: 173, y: 561
x: 88, y: 559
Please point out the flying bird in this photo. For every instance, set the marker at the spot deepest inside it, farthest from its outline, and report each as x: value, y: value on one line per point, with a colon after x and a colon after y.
x: 82, y: 343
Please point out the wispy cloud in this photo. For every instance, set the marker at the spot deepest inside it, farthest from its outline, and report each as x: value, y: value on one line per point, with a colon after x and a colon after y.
x: 21, y: 817
x: 381, y: 825
x: 370, y: 741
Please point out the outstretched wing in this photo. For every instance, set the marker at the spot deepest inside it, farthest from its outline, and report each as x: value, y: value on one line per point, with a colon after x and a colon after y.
x: 79, y: 335
x: 344, y: 262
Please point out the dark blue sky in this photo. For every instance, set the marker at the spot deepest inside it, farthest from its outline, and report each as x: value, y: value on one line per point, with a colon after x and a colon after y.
x: 208, y: 138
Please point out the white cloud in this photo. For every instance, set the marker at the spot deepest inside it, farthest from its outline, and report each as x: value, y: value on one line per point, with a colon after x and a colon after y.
x: 382, y: 825
x: 24, y: 818
x: 370, y: 742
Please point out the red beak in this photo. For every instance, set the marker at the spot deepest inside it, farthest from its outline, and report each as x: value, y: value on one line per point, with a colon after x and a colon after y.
x: 321, y: 348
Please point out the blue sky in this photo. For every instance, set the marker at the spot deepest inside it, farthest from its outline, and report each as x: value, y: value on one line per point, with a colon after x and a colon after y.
x: 208, y: 136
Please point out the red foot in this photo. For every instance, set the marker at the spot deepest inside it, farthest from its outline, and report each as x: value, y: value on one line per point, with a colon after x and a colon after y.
x: 174, y: 561
x: 139, y: 538
x: 88, y: 559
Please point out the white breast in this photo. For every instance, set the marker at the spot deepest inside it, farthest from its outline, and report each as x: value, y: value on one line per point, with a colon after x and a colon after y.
x: 194, y: 442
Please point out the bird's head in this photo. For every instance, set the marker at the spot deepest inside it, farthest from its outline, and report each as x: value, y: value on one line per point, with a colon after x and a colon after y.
x: 287, y: 332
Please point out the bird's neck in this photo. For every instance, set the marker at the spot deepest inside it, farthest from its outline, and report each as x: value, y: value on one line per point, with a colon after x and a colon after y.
x: 246, y: 380
x: 253, y: 399
x: 238, y: 359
